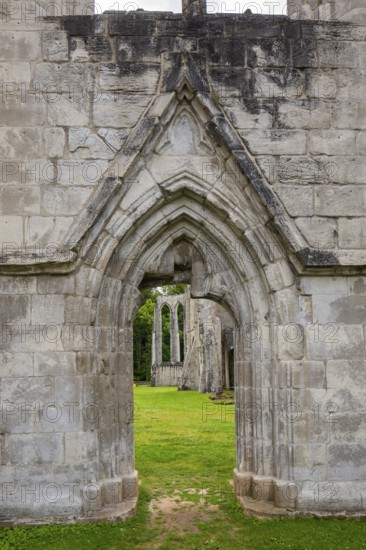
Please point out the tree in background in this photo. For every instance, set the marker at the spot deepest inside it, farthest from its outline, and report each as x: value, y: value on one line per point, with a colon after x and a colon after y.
x: 142, y: 330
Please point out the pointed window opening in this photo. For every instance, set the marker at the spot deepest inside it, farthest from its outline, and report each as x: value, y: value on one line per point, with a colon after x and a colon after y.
x: 166, y: 333
x: 180, y: 313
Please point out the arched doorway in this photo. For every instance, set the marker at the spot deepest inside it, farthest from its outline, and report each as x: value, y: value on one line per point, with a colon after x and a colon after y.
x: 196, y: 221
x: 174, y: 257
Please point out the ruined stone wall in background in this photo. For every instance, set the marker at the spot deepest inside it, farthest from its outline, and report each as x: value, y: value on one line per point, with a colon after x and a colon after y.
x: 203, y: 365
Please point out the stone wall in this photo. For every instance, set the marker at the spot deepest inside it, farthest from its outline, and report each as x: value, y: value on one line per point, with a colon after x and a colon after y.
x: 293, y: 91
x: 227, y: 152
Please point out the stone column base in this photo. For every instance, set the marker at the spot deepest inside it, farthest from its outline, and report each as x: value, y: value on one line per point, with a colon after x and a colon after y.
x: 110, y: 500
x: 268, y: 496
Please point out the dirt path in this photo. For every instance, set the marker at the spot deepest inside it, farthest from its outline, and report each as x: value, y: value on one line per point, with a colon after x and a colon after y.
x: 175, y: 515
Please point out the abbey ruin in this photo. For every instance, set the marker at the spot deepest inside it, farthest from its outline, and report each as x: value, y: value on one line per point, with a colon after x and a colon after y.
x: 201, y: 358
x: 225, y: 151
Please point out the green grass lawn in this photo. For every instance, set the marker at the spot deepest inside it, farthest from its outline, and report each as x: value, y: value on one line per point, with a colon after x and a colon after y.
x: 185, y: 454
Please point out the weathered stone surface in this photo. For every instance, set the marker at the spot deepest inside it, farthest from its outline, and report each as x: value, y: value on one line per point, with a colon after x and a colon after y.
x: 227, y: 152
x: 64, y: 110
x: 16, y: 365
x: 345, y: 201
x: 75, y: 79
x: 347, y: 115
x: 56, y: 202
x: 326, y: 285
x: 19, y: 46
x: 304, y: 114
x: 278, y: 83
x: 304, y: 53
x: 33, y: 449
x: 352, y: 233
x: 55, y: 46
x: 14, y: 109
x: 11, y: 230
x: 337, y: 342
x: 80, y: 172
x: 91, y: 48
x: 47, y: 232
x: 280, y: 142
x: 260, y: 116
x: 18, y: 143
x: 361, y: 143
x: 54, y: 142
x: 321, y: 84
x: 319, y: 232
x: 48, y: 309
x: 119, y: 110
x: 272, y: 53
x: 142, y: 48
x: 341, y: 56
x: 330, y: 142
x: 15, y: 198
x: 15, y: 72
x: 130, y: 77
x: 90, y: 145
x: 114, y: 138
x: 298, y: 200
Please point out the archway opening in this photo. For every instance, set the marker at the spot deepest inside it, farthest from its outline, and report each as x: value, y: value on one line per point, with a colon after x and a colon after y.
x: 185, y: 438
x: 181, y: 251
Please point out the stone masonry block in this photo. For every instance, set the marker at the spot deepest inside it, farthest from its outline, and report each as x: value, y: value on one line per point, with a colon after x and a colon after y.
x: 325, y: 285
x: 352, y: 233
x: 54, y: 364
x: 14, y: 72
x: 298, y: 200
x: 11, y: 232
x: 341, y: 342
x: 339, y: 55
x: 268, y: 53
x: 275, y: 142
x: 19, y: 46
x: 48, y: 309
x: 119, y: 110
x: 54, y: 142
x: 332, y: 142
x: 304, y: 114
x: 16, y: 199
x: 55, y: 46
x: 20, y: 143
x: 339, y: 309
x: 14, y: 365
x: 68, y: 111
x: 347, y: 200
x: 17, y: 285
x: 86, y: 144
x: 361, y: 143
x: 57, y: 202
x: 319, y: 232
x: 17, y: 109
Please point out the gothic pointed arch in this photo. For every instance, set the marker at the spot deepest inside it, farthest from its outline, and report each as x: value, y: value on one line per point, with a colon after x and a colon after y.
x: 185, y: 145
